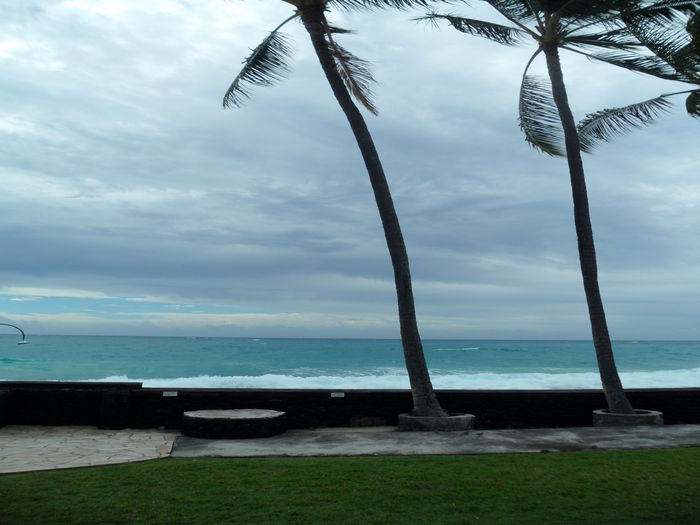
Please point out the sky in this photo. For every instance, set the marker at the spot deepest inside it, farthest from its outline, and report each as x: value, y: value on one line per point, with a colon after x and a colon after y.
x: 135, y: 204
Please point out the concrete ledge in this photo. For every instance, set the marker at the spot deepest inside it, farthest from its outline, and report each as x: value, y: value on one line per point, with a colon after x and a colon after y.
x: 5, y: 400
x: 233, y: 424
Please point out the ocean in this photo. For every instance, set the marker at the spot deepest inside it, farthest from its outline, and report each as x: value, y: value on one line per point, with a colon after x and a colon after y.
x: 202, y: 362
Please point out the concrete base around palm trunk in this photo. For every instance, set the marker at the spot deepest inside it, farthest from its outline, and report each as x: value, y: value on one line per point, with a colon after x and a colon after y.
x: 452, y: 423
x: 604, y: 418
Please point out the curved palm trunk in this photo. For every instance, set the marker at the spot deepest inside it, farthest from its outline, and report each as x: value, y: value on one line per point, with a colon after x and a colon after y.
x: 425, y: 401
x: 612, y: 386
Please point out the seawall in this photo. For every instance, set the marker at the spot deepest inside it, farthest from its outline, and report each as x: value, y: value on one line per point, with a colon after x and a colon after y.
x: 129, y: 405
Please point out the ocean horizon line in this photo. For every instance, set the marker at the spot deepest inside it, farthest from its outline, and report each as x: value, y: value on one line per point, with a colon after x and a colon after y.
x: 297, y: 338
x: 395, y: 339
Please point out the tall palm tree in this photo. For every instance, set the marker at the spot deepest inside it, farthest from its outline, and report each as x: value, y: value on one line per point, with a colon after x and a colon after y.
x: 349, y: 76
x: 595, y: 29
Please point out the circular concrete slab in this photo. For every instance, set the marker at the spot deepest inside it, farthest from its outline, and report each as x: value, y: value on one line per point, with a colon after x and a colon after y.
x: 240, y: 413
x: 234, y: 424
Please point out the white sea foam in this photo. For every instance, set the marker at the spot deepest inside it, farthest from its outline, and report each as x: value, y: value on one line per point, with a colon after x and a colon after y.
x: 460, y: 349
x: 477, y: 381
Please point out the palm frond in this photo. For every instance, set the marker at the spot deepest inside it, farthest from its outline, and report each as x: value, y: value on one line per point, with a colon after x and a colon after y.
x: 355, y: 73
x: 335, y: 30
x: 519, y: 10
x: 350, y: 5
x: 693, y: 28
x: 495, y: 32
x: 585, y: 10
x: 605, y: 16
x: 606, y: 124
x: 538, y: 115
x: 663, y: 11
x: 649, y: 65
x: 265, y: 66
x: 692, y: 104
x: 667, y: 39
x: 618, y: 39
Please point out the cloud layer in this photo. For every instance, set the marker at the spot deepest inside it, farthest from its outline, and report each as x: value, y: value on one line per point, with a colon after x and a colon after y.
x: 135, y: 204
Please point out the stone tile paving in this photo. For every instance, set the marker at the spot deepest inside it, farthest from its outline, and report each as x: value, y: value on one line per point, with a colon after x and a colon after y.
x: 25, y: 448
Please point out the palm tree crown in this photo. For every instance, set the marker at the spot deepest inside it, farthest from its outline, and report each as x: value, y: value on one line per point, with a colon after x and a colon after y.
x: 269, y: 61
x: 617, y: 32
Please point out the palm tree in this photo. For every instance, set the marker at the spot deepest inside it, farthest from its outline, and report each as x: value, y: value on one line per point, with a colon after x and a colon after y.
x: 595, y: 29
x: 348, y: 75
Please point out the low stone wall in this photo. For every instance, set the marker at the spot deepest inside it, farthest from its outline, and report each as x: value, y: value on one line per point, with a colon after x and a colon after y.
x: 121, y: 405
x: 105, y: 405
x: 5, y: 405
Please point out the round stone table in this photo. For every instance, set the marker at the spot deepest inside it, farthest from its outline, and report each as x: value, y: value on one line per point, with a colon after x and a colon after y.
x: 234, y: 424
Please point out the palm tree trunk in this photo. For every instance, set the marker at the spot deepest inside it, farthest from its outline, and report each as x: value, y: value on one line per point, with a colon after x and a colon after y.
x: 425, y: 401
x: 612, y: 386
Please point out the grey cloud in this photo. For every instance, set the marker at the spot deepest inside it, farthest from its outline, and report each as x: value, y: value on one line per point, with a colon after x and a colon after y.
x: 125, y: 175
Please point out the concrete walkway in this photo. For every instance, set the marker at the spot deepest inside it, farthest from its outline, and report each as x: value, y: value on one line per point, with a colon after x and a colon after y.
x: 388, y: 441
x: 26, y: 448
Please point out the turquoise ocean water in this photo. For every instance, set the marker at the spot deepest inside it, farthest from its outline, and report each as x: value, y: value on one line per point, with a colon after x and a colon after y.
x: 341, y: 363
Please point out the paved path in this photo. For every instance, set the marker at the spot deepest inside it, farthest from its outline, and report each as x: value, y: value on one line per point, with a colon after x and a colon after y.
x: 388, y: 441
x: 24, y: 448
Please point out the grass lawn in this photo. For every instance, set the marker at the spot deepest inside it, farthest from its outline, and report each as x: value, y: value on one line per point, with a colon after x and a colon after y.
x: 636, y: 487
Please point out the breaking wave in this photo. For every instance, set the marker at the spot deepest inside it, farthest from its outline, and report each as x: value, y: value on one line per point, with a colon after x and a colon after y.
x: 477, y: 381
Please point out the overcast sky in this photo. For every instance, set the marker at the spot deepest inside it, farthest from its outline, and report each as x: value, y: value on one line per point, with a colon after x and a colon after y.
x: 134, y: 204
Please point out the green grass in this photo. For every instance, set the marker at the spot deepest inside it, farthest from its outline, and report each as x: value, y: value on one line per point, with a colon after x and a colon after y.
x: 651, y: 486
